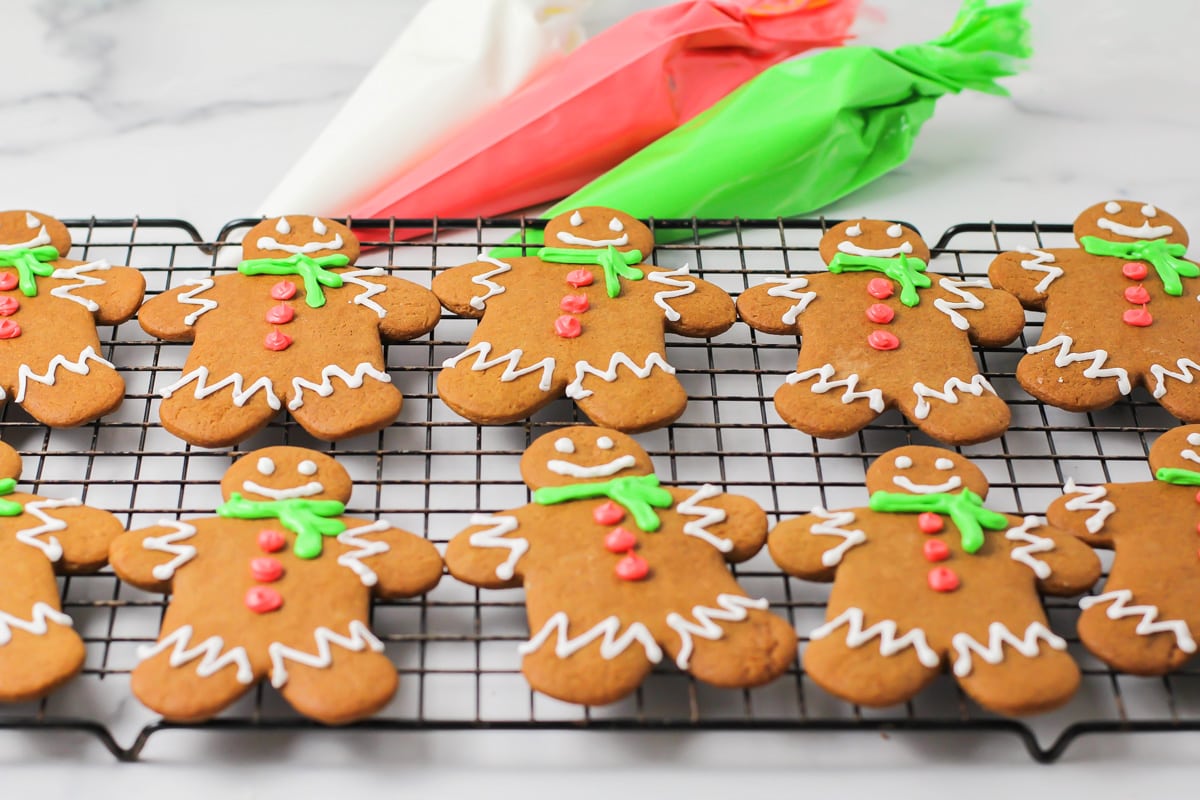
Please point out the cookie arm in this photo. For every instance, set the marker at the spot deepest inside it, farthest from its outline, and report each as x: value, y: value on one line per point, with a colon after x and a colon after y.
x: 394, y: 562
x: 1064, y: 565
x: 776, y: 306
x: 692, y: 306
x: 168, y: 317
x: 1084, y: 514
x: 85, y: 539
x: 493, y: 551
x: 732, y: 523
x: 1000, y: 319
x: 405, y: 309
x: 112, y: 294
x: 1029, y: 286
x: 799, y: 548
x: 466, y: 289
x: 149, y: 557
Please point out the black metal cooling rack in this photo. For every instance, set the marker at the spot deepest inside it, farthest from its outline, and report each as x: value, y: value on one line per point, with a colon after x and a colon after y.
x: 456, y: 648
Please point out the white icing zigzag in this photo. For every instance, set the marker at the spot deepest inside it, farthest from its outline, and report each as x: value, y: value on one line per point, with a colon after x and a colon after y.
x: 494, y: 535
x: 360, y: 638
x: 575, y: 388
x: 1036, y: 544
x: 212, y: 660
x: 241, y: 394
x: 607, y: 629
x: 787, y: 288
x: 968, y: 302
x: 370, y: 288
x: 78, y: 366
x: 189, y: 298
x: 998, y: 636
x: 708, y: 516
x: 1148, y: 626
x: 731, y: 608
x: 183, y: 553
x: 35, y: 625
x: 1161, y: 374
x: 889, y: 643
x: 325, y: 387
x: 679, y: 289
x: 823, y: 384
x: 50, y: 545
x: 492, y: 289
x: 976, y: 386
x: 1095, y: 370
x: 364, y: 548
x: 511, y: 360
x: 77, y: 272
x: 1087, y: 502
x: 837, y: 520
x: 1039, y: 264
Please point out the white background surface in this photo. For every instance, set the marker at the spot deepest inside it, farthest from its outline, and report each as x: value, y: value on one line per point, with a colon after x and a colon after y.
x: 194, y: 110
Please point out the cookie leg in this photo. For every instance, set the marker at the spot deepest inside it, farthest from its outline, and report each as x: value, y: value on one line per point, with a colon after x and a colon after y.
x: 500, y: 389
x: 956, y: 410
x: 731, y: 647
x: 830, y: 409
x: 872, y: 664
x: 190, y: 678
x: 351, y: 686
x: 593, y: 665
x: 347, y: 410
x: 1026, y: 672
x: 628, y: 393
x: 65, y: 396
x: 1109, y: 625
x: 1067, y: 386
x: 216, y: 420
x: 33, y: 665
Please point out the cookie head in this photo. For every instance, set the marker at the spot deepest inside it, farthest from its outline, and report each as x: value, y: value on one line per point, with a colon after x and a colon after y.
x: 1178, y: 448
x: 287, y: 473
x: 582, y: 454
x: 925, y: 470
x: 596, y: 226
x: 1129, y: 221
x: 10, y: 462
x: 282, y: 237
x: 876, y: 238
x: 30, y: 229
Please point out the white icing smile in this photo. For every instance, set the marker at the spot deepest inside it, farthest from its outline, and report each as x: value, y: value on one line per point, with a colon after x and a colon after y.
x: 570, y: 238
x: 925, y: 488
x: 887, y: 252
x: 559, y: 467
x: 307, y: 490
x: 269, y: 243
x: 1144, y: 231
x: 41, y: 238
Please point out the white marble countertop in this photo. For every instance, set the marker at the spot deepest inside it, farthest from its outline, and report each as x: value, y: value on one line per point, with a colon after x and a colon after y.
x: 194, y: 110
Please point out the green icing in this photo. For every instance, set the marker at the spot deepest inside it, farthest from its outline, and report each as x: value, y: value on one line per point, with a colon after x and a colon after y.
x: 965, y: 509
x: 30, y: 264
x: 616, y: 263
x: 639, y: 494
x: 312, y: 270
x: 1178, y: 476
x: 907, y: 271
x: 1164, y: 256
x: 308, y: 519
x: 9, y: 508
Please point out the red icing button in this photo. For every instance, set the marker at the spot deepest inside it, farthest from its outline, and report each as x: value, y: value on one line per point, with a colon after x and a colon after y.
x: 277, y: 340
x: 1137, y: 295
x: 262, y: 599
x: 266, y: 569
x: 619, y: 540
x: 7, y: 281
x: 935, y: 550
x: 574, y: 303
x: 284, y: 290
x: 567, y: 327
x: 1198, y: 500
x: 632, y: 568
x: 270, y: 541
x: 1137, y: 317
x: 580, y: 277
x: 1135, y: 270
x: 880, y: 287
x: 943, y: 579
x: 880, y: 313
x: 9, y: 329
x: 8, y: 306
x: 281, y: 314
x: 882, y: 340
x: 608, y: 513
x: 930, y: 522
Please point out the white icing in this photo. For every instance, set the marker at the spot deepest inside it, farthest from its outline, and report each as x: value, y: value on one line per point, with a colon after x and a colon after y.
x: 895, y: 231
x: 494, y: 536
x: 370, y: 288
x: 1149, y: 623
x: 559, y: 467
x: 834, y: 525
x: 570, y: 238
x: 1041, y: 262
x: 31, y: 221
x: 479, y: 302
x: 1112, y: 207
x: 967, y: 301
x: 731, y: 608
x: 998, y: 636
x: 363, y: 548
x: 608, y: 630
x: 269, y: 243
x: 679, y: 289
x: 976, y: 386
x: 708, y: 516
x: 40, y: 614
x: 1096, y: 369
x: 787, y: 288
x: 564, y: 445
x: 576, y: 219
x: 886, y: 252
x: 241, y: 394
x: 79, y: 367
x: 1034, y: 544
x: 605, y: 443
x: 1149, y: 211
x: 615, y: 225
x: 319, y: 227
x: 1088, y: 495
x: 212, y: 659
x: 266, y: 466
x: 353, y: 380
x: 307, y: 490
x: 943, y: 463
x: 1191, y: 455
x: 510, y: 360
x: 41, y: 238
x: 1143, y: 231
x: 874, y: 397
x: 189, y: 298
x: 927, y: 488
x: 903, y: 462
x: 282, y: 226
x: 182, y: 553
x: 79, y: 273
x: 307, y: 467
x: 360, y: 638
x: 854, y: 230
x: 889, y: 643
x: 50, y: 546
x: 575, y: 388
x: 1161, y: 373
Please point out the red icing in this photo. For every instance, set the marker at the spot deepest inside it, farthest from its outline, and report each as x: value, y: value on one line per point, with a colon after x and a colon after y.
x: 883, y: 340
x: 619, y: 540
x: 284, y: 290
x: 8, y: 280
x: 277, y: 340
x: 1135, y: 270
x: 935, y: 550
x: 880, y: 288
x: 930, y: 522
x: 880, y: 313
x: 943, y: 579
x: 266, y: 569
x: 1137, y: 295
x: 1137, y: 317
x: 270, y: 541
x: 580, y: 277
x: 567, y: 327
x: 9, y: 306
x: 608, y: 513
x: 281, y: 314
x: 262, y: 599
x: 574, y: 303
x: 9, y: 329
x: 1198, y: 499
x: 632, y: 568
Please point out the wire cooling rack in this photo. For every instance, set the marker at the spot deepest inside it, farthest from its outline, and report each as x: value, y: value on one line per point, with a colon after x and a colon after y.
x: 455, y: 649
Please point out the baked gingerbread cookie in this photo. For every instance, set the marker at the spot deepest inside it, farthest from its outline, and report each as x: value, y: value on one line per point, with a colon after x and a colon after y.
x: 278, y: 584
x: 1121, y: 311
x: 1147, y: 618
x: 583, y: 317
x: 296, y: 325
x: 40, y: 538
x: 50, y: 354
x: 926, y: 575
x: 880, y: 332
x: 619, y: 570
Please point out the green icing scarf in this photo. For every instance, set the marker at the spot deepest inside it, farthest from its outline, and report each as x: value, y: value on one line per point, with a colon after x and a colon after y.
x: 1177, y: 476
x: 308, y: 519
x: 312, y: 270
x: 639, y: 494
x: 909, y: 272
x: 965, y: 509
x: 9, y: 508
x: 616, y: 263
x: 30, y: 264
x: 1164, y: 256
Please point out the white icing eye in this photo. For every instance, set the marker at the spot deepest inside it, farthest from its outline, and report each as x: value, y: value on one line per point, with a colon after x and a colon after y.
x: 903, y: 462
x: 895, y: 231
x: 319, y: 227
x: 31, y: 221
x: 577, y: 219
x: 944, y: 463
x: 854, y: 230
x: 564, y: 445
x: 266, y: 466
x: 282, y: 226
x: 1149, y: 211
x: 615, y: 225
x: 1194, y: 438
x: 1112, y: 207
x: 604, y: 443
x: 307, y: 467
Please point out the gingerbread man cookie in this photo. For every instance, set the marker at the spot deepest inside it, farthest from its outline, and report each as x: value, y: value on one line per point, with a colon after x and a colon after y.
x: 584, y: 317
x: 50, y: 361
x: 879, y: 332
x: 38, y: 538
x: 296, y: 325
x: 1121, y: 311
x: 277, y: 584
x: 925, y: 574
x: 618, y: 569
x: 1147, y: 618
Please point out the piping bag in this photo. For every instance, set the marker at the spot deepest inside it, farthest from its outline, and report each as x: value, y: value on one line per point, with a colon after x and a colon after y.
x: 809, y: 131
x: 613, y: 95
